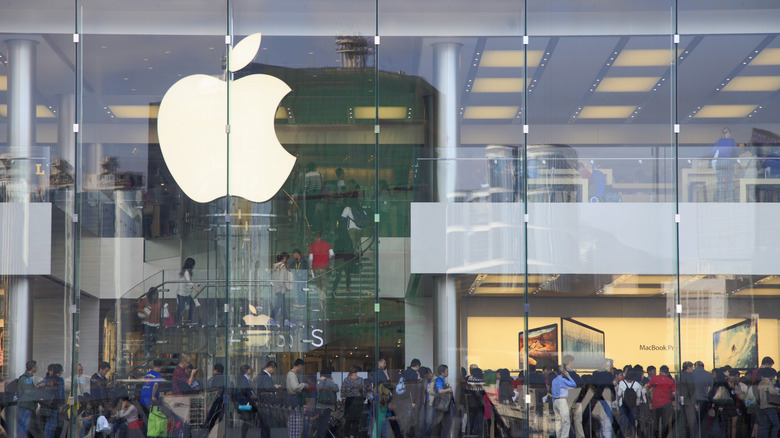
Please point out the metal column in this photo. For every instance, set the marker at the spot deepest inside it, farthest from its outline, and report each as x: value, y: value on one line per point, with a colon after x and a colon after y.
x: 21, y: 139
x: 446, y: 65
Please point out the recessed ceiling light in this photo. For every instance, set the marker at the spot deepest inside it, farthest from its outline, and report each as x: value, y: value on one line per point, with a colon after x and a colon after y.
x: 767, y: 57
x: 41, y: 111
x: 753, y: 83
x: 626, y: 85
x: 385, y: 112
x: 606, y: 111
x: 498, y: 85
x: 135, y: 111
x: 510, y: 58
x: 643, y: 58
x: 491, y: 112
x: 724, y: 111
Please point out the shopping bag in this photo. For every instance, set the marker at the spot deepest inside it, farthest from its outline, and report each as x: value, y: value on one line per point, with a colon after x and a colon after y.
x: 102, y: 425
x: 158, y: 424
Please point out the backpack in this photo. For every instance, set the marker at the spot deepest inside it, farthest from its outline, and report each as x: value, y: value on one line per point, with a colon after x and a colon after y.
x: 630, y: 396
x: 326, y: 396
x: 11, y: 394
x: 360, y: 217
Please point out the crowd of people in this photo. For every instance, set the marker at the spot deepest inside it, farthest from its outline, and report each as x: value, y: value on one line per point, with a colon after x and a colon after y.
x: 638, y: 402
x: 418, y: 401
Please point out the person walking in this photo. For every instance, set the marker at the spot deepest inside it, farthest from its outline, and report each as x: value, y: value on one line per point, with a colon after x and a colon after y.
x: 185, y: 292
x: 326, y: 401
x: 353, y: 391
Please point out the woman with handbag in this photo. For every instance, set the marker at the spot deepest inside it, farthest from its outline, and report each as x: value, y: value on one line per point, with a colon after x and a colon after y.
x: 353, y: 391
x: 442, y: 402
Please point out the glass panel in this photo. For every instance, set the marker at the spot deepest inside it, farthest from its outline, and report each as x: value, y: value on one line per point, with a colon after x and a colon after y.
x: 137, y: 206
x: 729, y: 146
x: 302, y: 264
x: 463, y: 137
x: 601, y: 239
x: 37, y: 193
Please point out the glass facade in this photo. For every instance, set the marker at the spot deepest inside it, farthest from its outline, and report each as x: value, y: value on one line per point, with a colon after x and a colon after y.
x: 224, y: 209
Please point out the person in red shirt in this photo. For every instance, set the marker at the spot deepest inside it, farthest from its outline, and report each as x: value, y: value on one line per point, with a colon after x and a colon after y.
x: 662, y: 390
x: 320, y: 255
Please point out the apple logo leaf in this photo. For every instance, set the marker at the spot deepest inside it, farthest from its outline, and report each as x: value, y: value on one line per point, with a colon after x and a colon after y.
x: 244, y: 52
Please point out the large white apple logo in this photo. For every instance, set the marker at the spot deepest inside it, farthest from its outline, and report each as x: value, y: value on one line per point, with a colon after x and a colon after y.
x: 191, y: 127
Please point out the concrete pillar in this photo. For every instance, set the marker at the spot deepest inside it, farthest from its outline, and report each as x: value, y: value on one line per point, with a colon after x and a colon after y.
x: 446, y: 66
x: 21, y: 139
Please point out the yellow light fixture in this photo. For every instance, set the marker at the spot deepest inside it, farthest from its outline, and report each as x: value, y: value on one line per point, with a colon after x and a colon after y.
x: 724, y: 111
x: 767, y: 57
x: 135, y: 111
x: 41, y: 111
x: 510, y: 58
x: 3, y: 83
x: 606, y: 111
x: 385, y: 112
x: 281, y: 113
x: 643, y: 58
x: 498, y: 85
x: 627, y: 85
x: 491, y: 112
x: 753, y: 83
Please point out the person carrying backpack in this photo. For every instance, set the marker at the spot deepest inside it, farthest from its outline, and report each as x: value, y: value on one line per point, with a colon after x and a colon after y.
x: 326, y: 401
x: 355, y: 218
x: 629, y: 396
x: 27, y: 395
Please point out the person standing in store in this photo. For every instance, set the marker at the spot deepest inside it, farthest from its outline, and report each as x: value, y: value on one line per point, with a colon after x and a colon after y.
x: 151, y: 308
x: 182, y: 379
x: 768, y: 423
x: 186, y: 291
x: 354, y: 231
x: 724, y: 150
x: 98, y: 388
x: 441, y: 422
x: 326, y: 401
x: 217, y: 379
x: 353, y: 391
x: 663, y: 393
x: 561, y: 385
x: 702, y: 383
x: 282, y: 283
x: 150, y: 392
x: 300, y: 274
x: 246, y: 401
x: 687, y: 391
x: 27, y: 396
x: 320, y: 255
x: 294, y: 402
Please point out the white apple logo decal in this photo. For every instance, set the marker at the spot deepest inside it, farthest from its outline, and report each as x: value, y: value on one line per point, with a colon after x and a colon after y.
x: 191, y: 127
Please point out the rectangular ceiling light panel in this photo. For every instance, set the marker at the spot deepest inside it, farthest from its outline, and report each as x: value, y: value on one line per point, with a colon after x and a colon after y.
x: 41, y: 111
x: 509, y: 58
x: 498, y: 85
x: 767, y: 57
x: 606, y: 111
x: 385, y: 112
x: 135, y: 111
x: 643, y: 58
x: 753, y: 83
x: 491, y: 112
x: 627, y: 85
x: 724, y: 111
